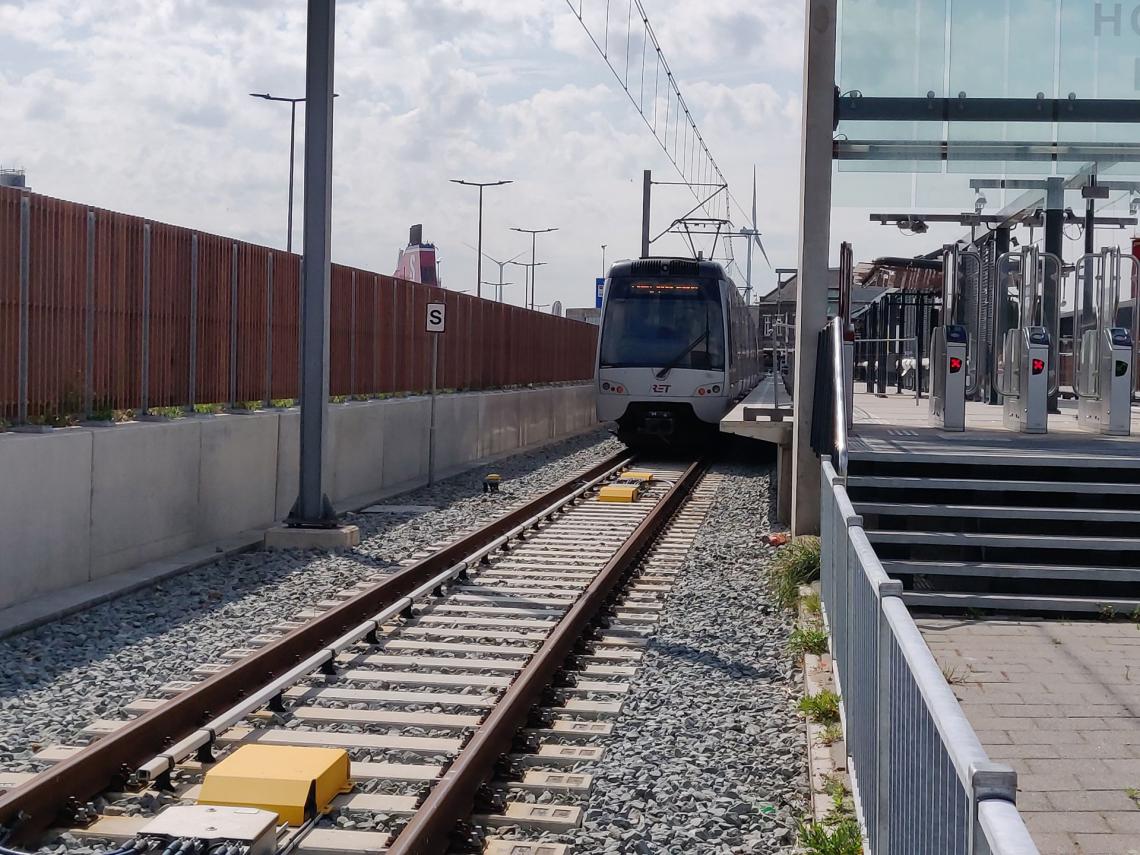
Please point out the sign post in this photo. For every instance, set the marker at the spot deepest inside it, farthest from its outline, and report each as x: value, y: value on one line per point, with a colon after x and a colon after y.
x: 436, y: 321
x: 599, y: 291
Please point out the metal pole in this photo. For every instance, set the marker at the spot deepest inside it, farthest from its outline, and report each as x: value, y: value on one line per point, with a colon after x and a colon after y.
x: 25, y: 305
x: 233, y: 324
x: 89, y: 322
x: 192, y: 380
x: 1055, y: 244
x: 313, y: 507
x: 604, y: 259
x: 144, y: 398
x: 479, y: 253
x: 533, y: 239
x: 292, y: 159
x: 431, y: 427
x: 646, y: 189
x: 814, y: 240
x: 269, y: 331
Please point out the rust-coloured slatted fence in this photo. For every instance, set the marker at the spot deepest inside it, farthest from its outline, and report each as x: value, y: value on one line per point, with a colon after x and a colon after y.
x: 103, y: 312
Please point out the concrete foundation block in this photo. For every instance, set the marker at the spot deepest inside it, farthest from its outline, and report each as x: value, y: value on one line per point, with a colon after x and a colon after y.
x: 238, y: 474
x: 500, y: 428
x: 457, y: 432
x: 329, y: 539
x: 288, y: 461
x: 356, y: 457
x: 536, y: 415
x: 406, y: 442
x: 144, y: 495
x: 45, y: 512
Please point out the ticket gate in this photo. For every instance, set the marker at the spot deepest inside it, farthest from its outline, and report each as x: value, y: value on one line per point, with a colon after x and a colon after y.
x: 948, y: 349
x: 1026, y: 394
x: 1103, y: 352
x: 1029, y: 374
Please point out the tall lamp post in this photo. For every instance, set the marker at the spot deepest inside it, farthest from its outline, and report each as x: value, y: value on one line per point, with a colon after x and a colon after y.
x: 292, y: 102
x: 479, y: 257
x: 604, y: 245
x: 498, y: 286
x: 529, y: 283
x: 532, y: 233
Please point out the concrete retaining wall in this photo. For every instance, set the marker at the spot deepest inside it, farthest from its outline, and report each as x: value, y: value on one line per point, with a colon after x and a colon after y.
x: 79, y: 504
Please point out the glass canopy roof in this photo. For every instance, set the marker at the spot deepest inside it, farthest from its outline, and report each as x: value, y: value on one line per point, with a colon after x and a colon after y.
x: 965, y: 89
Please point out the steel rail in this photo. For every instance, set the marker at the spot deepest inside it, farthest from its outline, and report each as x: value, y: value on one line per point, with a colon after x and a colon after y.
x: 429, y: 830
x: 56, y: 793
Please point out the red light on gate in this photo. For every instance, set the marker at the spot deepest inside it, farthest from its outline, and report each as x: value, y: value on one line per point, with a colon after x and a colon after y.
x: 1038, y: 366
x: 955, y: 364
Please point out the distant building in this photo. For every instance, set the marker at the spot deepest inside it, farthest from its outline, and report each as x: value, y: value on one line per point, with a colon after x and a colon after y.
x: 417, y: 263
x: 13, y: 178
x: 589, y: 316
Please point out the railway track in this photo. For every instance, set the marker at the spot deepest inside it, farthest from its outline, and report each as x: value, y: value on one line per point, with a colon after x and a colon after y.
x: 470, y: 690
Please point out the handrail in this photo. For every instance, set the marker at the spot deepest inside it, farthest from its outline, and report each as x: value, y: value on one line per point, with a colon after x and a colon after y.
x: 839, y: 399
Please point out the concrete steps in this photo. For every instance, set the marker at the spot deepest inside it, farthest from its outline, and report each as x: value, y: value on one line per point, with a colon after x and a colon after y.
x: 991, y: 532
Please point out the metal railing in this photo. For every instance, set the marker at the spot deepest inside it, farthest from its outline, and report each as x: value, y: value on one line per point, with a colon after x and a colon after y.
x: 922, y: 780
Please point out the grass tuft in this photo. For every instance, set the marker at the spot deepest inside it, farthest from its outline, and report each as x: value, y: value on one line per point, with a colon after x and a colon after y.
x: 811, y: 604
x: 822, y: 708
x: 842, y: 839
x: 808, y: 639
x: 795, y: 564
x: 831, y: 734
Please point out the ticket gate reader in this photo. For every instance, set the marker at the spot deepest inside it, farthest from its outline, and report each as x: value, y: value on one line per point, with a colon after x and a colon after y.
x: 948, y: 349
x: 1103, y: 352
x: 1105, y: 404
x: 1026, y: 399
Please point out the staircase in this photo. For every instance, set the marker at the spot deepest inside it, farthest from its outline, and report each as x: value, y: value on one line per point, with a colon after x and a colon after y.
x: 996, y: 531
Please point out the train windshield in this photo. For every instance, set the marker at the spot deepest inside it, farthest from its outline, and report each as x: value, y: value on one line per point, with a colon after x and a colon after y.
x: 663, y: 322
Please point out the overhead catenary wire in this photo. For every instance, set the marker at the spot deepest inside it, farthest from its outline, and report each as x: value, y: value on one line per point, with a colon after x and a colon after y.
x: 689, y: 152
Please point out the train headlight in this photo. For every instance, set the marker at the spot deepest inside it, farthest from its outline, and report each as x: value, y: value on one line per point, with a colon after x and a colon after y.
x: 706, y: 391
x: 613, y: 388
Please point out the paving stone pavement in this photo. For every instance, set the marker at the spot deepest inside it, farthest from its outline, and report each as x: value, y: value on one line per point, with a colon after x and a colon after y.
x: 1059, y: 701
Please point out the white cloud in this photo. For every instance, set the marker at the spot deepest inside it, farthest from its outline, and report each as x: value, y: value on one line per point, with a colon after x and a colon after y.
x: 143, y: 107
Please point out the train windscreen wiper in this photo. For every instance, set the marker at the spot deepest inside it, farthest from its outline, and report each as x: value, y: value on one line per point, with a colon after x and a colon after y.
x: 677, y: 359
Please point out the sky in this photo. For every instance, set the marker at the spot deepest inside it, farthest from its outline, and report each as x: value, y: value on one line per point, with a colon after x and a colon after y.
x: 143, y: 107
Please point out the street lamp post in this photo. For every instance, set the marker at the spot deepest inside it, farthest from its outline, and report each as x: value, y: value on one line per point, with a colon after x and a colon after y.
x: 498, y: 286
x: 533, y: 233
x: 529, y: 282
x: 293, y: 102
x: 604, y: 245
x: 479, y: 257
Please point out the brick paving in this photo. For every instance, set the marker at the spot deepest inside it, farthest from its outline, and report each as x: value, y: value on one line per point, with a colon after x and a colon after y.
x: 1059, y: 701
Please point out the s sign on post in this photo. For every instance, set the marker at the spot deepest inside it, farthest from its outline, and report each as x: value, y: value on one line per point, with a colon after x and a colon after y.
x: 436, y: 321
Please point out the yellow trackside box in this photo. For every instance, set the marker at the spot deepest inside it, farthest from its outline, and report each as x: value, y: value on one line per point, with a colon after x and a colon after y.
x: 620, y: 493
x: 636, y: 476
x: 628, y: 488
x: 294, y: 782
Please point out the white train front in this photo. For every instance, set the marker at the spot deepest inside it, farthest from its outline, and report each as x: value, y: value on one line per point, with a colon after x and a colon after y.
x: 677, y: 349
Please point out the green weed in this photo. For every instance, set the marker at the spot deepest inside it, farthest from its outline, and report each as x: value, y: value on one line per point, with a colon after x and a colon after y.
x: 842, y: 839
x: 811, y: 604
x: 822, y: 708
x: 808, y: 639
x: 795, y: 564
x: 831, y: 734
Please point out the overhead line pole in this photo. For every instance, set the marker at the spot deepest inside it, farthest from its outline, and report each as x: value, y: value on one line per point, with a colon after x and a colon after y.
x: 313, y: 509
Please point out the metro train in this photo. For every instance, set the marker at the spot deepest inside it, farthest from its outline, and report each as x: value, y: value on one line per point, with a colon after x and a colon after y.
x: 677, y: 349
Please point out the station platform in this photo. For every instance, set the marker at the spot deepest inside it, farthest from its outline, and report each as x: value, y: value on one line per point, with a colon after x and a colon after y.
x: 1059, y: 702
x: 766, y: 414
x: 897, y: 425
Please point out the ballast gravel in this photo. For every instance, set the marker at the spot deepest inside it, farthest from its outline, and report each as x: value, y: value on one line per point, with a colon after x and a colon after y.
x: 708, y: 754
x: 58, y: 678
